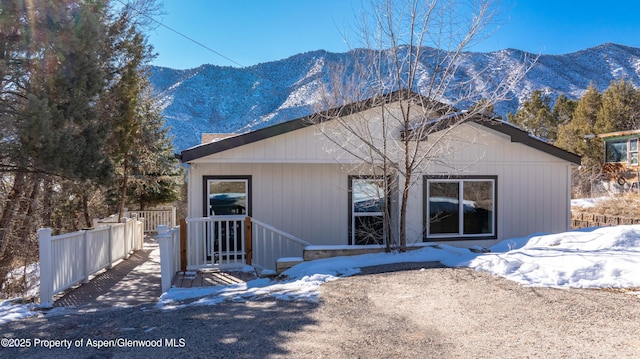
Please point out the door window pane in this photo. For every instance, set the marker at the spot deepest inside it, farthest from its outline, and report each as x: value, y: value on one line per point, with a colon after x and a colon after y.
x: 227, y: 197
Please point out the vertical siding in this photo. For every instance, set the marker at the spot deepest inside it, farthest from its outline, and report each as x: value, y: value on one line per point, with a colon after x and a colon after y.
x: 300, y: 188
x: 306, y: 200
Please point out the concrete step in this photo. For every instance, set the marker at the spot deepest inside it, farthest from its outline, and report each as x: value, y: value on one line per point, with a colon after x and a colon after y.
x: 282, y: 264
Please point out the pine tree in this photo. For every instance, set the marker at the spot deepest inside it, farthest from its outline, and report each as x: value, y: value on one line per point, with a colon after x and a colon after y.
x: 563, y: 110
x: 619, y: 109
x: 52, y: 69
x: 154, y: 171
x: 535, y: 117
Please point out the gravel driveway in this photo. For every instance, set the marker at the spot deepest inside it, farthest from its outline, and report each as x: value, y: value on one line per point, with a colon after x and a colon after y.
x: 433, y: 313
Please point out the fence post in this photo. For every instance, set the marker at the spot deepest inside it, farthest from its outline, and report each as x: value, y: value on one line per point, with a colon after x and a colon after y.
x: 248, y: 241
x: 126, y: 238
x: 85, y: 255
x: 46, y: 268
x: 110, y: 266
x: 183, y: 245
x: 166, y: 257
x: 141, y: 225
x: 173, y: 217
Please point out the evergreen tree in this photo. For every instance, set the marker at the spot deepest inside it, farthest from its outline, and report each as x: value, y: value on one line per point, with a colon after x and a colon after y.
x: 577, y: 136
x: 573, y: 136
x: 154, y: 171
x: 563, y: 109
x: 535, y: 117
x: 52, y: 67
x: 620, y: 108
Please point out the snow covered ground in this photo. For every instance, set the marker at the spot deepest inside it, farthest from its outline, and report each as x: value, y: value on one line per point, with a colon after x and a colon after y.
x: 588, y: 202
x: 604, y: 257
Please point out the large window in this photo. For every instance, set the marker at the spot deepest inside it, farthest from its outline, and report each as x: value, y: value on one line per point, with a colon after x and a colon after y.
x: 460, y: 208
x: 366, y: 213
x: 227, y: 195
x: 622, y: 150
x: 616, y: 151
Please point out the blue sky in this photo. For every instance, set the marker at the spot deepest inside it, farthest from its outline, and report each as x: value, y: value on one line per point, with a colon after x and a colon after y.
x: 248, y: 32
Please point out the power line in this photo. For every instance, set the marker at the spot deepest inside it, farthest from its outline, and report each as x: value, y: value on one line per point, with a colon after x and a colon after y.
x: 181, y: 34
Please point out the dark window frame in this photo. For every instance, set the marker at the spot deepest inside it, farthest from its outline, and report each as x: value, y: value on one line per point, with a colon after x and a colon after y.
x: 425, y: 208
x: 205, y: 191
x: 350, y: 204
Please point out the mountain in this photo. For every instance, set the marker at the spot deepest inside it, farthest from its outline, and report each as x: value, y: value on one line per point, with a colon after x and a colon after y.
x: 226, y: 99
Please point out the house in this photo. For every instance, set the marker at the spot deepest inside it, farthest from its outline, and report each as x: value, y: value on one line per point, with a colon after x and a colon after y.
x: 621, y: 171
x: 483, y: 181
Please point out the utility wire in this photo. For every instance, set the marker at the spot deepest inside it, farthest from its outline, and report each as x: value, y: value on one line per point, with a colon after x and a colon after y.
x: 181, y: 34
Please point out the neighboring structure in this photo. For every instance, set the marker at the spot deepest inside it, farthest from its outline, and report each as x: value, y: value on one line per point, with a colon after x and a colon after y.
x: 621, y: 170
x: 493, y: 182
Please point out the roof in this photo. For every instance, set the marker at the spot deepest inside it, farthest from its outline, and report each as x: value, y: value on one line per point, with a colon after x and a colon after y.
x: 516, y: 134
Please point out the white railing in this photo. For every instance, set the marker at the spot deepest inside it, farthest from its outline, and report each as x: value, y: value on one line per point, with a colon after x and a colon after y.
x: 152, y: 218
x: 169, y: 240
x: 155, y: 218
x: 269, y: 244
x: 216, y: 242
x: 68, y: 259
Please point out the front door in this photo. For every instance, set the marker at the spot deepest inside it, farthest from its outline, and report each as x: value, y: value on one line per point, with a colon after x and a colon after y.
x: 227, y: 198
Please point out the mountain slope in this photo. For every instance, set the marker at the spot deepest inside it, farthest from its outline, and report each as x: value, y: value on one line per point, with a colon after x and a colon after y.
x: 226, y: 99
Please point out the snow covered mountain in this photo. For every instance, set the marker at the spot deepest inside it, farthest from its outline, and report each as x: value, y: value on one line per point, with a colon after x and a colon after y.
x: 225, y: 99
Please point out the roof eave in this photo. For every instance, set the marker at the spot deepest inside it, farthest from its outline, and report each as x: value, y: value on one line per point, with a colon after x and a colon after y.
x: 520, y: 136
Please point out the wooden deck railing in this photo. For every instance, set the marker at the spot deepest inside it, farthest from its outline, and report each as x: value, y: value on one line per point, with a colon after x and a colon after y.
x: 68, y: 259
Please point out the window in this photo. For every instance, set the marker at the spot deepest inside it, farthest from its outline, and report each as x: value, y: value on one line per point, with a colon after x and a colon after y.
x: 366, y: 212
x: 227, y: 195
x: 460, y: 207
x: 633, y: 151
x: 616, y: 151
x: 622, y: 150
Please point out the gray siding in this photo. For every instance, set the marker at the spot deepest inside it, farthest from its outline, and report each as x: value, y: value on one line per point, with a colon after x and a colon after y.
x: 300, y: 187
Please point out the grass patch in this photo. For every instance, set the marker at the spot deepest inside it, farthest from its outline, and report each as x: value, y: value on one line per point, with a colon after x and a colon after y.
x: 624, y: 205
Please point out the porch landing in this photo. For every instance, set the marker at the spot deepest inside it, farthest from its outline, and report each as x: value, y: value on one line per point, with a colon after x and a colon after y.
x: 207, y: 278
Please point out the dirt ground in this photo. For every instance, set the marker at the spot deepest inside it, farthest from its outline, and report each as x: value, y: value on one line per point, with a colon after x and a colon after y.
x: 432, y: 313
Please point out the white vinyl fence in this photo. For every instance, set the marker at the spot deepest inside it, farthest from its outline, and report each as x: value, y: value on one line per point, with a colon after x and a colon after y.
x: 220, y: 242
x: 216, y: 242
x: 68, y: 259
x: 169, y: 240
x: 270, y: 244
x: 152, y: 218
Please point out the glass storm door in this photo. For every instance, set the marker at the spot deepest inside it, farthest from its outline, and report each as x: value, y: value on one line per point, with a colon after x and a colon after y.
x: 228, y: 197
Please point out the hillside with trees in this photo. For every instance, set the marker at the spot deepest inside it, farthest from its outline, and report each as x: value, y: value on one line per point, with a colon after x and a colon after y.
x: 77, y: 122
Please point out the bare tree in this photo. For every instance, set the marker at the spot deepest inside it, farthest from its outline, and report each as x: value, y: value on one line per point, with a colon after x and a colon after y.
x: 408, y: 74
